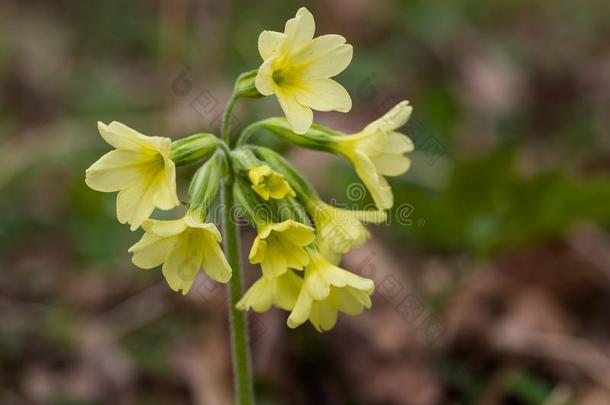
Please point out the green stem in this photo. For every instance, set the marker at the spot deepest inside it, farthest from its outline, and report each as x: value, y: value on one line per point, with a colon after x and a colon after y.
x: 226, y: 121
x: 247, y: 133
x: 238, y: 321
x: 244, y: 394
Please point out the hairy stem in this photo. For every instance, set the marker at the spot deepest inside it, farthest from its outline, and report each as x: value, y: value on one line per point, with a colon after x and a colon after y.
x: 238, y: 321
x: 226, y: 120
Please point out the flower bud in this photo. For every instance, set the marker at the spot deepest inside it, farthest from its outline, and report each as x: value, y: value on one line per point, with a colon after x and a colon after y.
x: 204, y: 186
x: 193, y: 149
x: 244, y: 85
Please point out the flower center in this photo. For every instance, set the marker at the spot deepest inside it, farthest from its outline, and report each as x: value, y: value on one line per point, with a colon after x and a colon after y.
x: 155, y: 163
x: 279, y: 77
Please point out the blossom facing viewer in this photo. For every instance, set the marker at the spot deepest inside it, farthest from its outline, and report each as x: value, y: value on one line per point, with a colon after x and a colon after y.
x: 297, y: 68
x: 269, y: 184
x: 139, y: 168
x: 280, y: 246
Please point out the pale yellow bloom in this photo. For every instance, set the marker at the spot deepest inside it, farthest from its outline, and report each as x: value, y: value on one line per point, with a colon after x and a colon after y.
x: 281, y: 291
x: 328, y: 289
x: 268, y: 183
x: 139, y: 169
x: 279, y: 246
x: 340, y: 230
x: 378, y: 150
x: 297, y: 68
x: 183, y: 246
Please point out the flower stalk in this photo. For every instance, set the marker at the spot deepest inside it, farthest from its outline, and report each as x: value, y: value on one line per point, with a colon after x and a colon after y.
x: 238, y: 321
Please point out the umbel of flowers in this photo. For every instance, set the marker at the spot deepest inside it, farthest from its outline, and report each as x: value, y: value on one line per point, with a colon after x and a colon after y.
x: 300, y: 238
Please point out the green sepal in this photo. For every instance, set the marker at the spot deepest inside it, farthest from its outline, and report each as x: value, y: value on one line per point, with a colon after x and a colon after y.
x: 204, y: 186
x: 245, y: 85
x: 243, y: 160
x: 257, y: 211
x: 318, y: 137
x: 193, y: 149
x: 289, y: 208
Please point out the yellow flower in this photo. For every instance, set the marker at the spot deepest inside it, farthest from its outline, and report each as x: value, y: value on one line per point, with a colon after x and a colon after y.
x: 297, y: 68
x: 340, y: 230
x: 378, y: 150
x: 183, y: 246
x: 281, y: 291
x: 268, y: 183
x: 139, y: 169
x: 279, y: 246
x: 328, y: 289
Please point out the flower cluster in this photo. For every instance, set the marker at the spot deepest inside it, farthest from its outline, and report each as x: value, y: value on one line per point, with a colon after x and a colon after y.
x: 300, y: 238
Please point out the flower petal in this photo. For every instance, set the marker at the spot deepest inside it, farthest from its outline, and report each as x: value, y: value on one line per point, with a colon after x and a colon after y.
x: 183, y: 263
x: 287, y: 290
x: 258, y: 250
x: 113, y: 171
x: 299, y: 234
x: 164, y: 229
x: 317, y: 287
x: 274, y: 263
x: 378, y: 187
x: 323, y: 316
x: 214, y: 261
x: 262, y: 190
x: 324, y: 95
x: 301, y: 310
x: 259, y: 296
x: 393, y: 119
x: 257, y: 174
x: 165, y: 197
x: 317, y: 48
x: 299, y: 116
x: 120, y: 136
x: 359, y: 283
x: 295, y: 256
x: 151, y: 251
x: 391, y: 165
x: 350, y: 301
x: 270, y: 44
x: 264, y: 78
x: 134, y: 204
x: 398, y: 143
x: 323, y: 57
x: 300, y: 29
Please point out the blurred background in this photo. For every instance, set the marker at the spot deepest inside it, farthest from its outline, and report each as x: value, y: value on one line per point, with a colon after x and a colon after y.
x: 493, y: 273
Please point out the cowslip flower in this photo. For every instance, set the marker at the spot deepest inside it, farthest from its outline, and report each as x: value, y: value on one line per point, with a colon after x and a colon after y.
x: 280, y: 246
x: 280, y: 291
x: 269, y: 184
x: 377, y: 151
x: 340, y: 230
x: 297, y: 68
x: 182, y: 246
x: 327, y: 290
x: 139, y: 168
